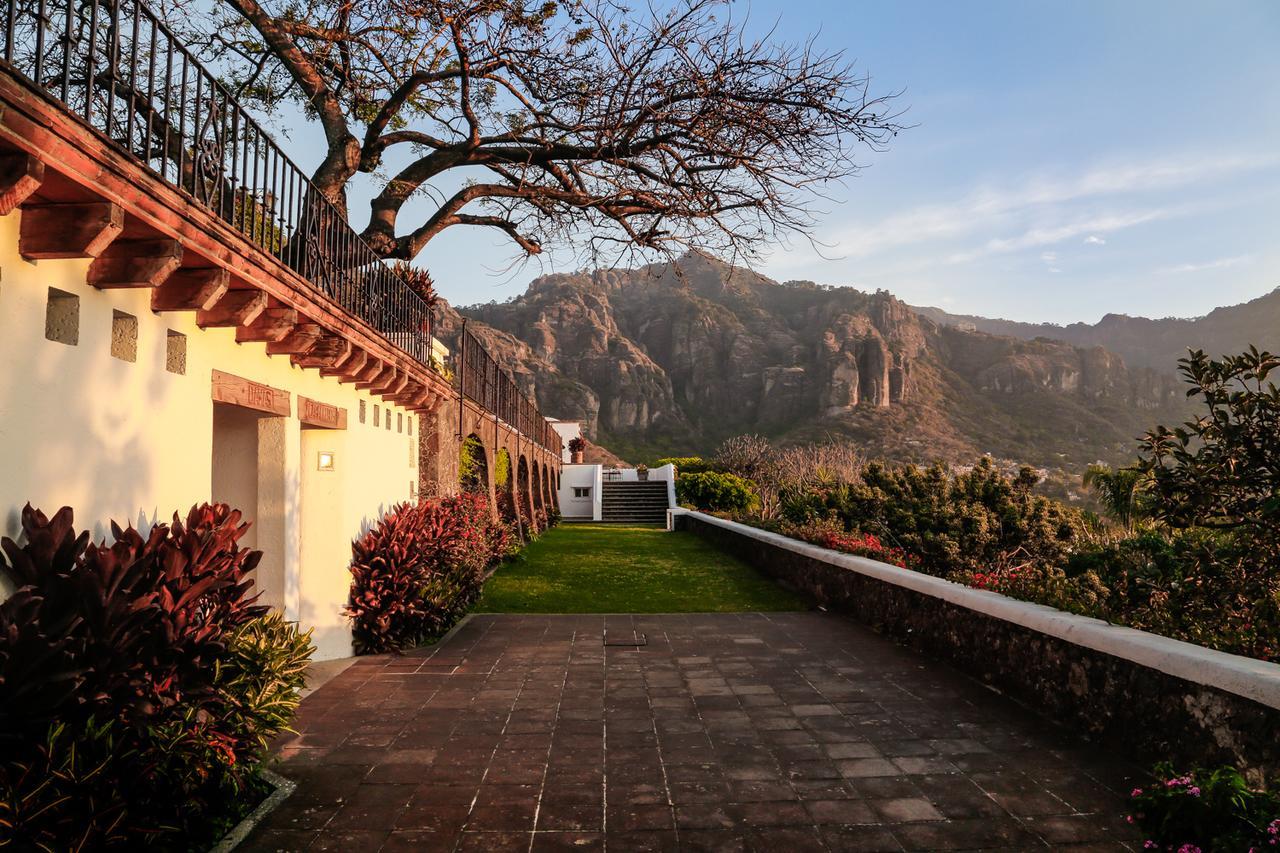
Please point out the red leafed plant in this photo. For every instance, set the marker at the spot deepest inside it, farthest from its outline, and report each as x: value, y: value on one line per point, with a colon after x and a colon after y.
x: 420, y: 568
x: 118, y: 668
x: 119, y: 628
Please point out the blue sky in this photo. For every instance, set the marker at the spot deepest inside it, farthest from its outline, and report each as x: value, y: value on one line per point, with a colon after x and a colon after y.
x: 1069, y: 159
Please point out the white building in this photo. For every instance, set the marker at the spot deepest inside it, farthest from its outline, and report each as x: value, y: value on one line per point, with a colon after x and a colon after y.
x: 568, y: 430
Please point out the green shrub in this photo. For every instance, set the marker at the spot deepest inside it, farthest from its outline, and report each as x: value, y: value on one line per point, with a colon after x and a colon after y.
x: 502, y: 470
x: 1205, y: 810
x: 830, y: 533
x: 1084, y: 593
x: 471, y: 465
x: 716, y: 492
x: 1197, y: 585
x: 976, y: 521
x: 261, y: 678
x: 685, y: 464
x: 1222, y: 470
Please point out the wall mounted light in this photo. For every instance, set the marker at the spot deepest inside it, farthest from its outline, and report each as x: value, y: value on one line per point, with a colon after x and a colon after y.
x: 324, y: 460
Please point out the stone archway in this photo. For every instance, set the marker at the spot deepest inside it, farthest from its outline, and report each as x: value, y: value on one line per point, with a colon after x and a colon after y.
x: 473, y: 466
x: 504, y: 484
x: 524, y: 497
x: 552, y: 504
x: 535, y: 487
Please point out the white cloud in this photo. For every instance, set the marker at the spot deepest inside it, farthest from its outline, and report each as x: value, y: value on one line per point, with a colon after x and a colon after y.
x: 1050, y: 235
x: 1095, y: 240
x: 1219, y: 264
x: 988, y: 208
x: 1048, y: 257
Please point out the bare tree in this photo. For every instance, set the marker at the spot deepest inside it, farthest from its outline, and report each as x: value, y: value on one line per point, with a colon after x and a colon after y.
x: 827, y: 463
x: 581, y: 123
x: 747, y: 455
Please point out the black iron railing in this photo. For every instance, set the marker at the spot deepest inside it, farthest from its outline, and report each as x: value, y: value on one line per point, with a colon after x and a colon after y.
x: 116, y: 65
x: 482, y: 380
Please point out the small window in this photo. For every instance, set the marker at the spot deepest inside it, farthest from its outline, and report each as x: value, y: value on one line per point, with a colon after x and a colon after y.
x: 582, y: 491
x: 388, y: 420
x: 124, y: 336
x: 399, y: 421
x: 175, y: 353
x: 377, y: 416
x: 362, y: 411
x: 62, y: 317
x: 411, y: 425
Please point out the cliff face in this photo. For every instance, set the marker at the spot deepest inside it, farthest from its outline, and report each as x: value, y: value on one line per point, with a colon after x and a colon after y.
x: 678, y: 357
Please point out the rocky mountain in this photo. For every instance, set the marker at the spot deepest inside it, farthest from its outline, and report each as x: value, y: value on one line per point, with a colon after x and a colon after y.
x: 1148, y: 343
x: 676, y: 357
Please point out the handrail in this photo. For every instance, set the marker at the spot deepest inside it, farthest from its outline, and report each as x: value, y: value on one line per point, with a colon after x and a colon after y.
x: 116, y: 65
x: 482, y: 380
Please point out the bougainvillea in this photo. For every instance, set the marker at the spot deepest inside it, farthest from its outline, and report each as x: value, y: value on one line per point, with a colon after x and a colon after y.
x: 827, y: 533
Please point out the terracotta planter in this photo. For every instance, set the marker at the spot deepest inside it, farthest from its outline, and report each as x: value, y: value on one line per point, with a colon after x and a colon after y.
x: 575, y: 457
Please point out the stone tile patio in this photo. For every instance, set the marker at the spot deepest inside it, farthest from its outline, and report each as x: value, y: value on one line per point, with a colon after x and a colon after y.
x: 796, y: 731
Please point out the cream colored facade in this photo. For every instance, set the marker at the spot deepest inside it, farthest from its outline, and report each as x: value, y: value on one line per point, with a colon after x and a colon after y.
x: 134, y: 442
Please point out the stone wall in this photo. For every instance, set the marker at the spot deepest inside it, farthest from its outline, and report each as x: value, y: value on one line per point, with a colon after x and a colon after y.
x: 1152, y: 697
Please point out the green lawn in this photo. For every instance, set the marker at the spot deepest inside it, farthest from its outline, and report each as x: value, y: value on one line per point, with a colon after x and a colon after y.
x: 581, y: 568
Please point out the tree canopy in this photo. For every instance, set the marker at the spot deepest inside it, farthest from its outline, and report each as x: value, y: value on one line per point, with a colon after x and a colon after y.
x: 585, y: 124
x: 1221, y: 470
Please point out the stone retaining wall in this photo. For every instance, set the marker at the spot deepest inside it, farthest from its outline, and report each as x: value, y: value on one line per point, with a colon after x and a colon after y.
x: 1153, y: 697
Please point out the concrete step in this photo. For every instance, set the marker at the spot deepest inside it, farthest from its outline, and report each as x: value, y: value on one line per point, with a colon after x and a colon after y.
x: 634, y: 502
x: 636, y: 519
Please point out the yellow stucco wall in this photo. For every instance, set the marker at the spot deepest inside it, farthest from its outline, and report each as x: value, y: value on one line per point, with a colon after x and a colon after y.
x: 134, y: 442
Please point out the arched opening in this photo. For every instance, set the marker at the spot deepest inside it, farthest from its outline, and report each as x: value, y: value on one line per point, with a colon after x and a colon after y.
x: 473, y: 466
x: 548, y: 479
x: 535, y: 491
x: 504, y: 486
x: 524, y: 502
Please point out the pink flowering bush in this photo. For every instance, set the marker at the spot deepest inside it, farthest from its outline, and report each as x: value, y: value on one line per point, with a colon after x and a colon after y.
x: 1205, y: 811
x: 829, y: 533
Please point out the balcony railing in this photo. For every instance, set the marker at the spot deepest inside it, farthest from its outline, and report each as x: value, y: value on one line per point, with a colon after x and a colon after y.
x: 124, y: 72
x: 117, y: 66
x: 483, y: 381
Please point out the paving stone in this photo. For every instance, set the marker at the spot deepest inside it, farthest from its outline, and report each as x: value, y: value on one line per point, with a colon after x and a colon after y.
x: 728, y: 732
x: 905, y: 809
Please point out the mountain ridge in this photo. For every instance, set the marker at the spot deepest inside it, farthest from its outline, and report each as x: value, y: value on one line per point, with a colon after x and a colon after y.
x: 676, y: 357
x: 1147, y: 342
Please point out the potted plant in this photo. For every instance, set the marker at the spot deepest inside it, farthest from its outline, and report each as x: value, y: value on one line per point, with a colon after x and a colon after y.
x: 577, y: 446
x: 642, y: 473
